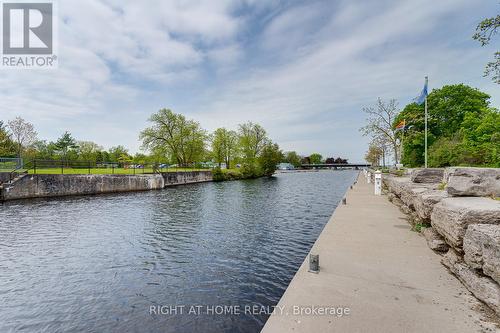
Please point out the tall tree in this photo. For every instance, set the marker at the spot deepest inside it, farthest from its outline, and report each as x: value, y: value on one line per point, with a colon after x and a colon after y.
x: 383, y: 144
x: 181, y: 139
x: 293, y: 158
x: 315, y: 158
x: 231, y: 147
x: 373, y: 155
x: 447, y: 108
x: 23, y: 134
x: 7, y: 146
x: 87, y: 150
x: 380, y: 123
x: 269, y: 158
x: 224, y: 146
x: 117, y: 152
x: 252, y: 139
x: 484, y: 32
x: 64, y: 144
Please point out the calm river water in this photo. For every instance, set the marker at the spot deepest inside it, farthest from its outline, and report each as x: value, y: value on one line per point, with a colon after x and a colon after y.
x: 98, y: 264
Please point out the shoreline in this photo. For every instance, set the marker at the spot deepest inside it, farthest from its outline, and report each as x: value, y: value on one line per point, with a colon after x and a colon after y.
x: 33, y: 186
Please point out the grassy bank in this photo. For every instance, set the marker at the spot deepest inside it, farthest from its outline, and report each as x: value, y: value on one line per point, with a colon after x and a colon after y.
x: 103, y: 171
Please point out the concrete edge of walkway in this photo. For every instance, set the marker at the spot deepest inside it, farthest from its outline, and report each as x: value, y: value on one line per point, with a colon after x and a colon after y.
x: 382, y: 274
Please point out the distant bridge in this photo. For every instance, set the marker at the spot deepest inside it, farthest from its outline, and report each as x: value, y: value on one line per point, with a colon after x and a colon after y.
x: 335, y: 165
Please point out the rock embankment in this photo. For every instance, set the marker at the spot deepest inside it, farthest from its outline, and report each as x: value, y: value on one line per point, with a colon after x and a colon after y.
x: 458, y: 211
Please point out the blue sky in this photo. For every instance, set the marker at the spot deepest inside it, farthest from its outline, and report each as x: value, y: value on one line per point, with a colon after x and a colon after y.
x: 304, y: 70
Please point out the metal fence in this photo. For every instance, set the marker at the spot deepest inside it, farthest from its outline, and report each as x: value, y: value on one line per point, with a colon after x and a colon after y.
x: 9, y: 164
x: 38, y: 166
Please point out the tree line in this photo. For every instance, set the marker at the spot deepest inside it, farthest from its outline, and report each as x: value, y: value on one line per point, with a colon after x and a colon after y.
x: 170, y: 139
x: 184, y: 142
x: 315, y: 158
x: 248, y: 146
x: 18, y: 138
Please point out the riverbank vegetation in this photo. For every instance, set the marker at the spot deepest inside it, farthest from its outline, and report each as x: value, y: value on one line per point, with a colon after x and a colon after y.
x: 463, y: 130
x: 182, y: 140
x: 171, y: 142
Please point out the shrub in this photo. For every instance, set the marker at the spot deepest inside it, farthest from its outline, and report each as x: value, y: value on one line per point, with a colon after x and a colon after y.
x: 218, y: 175
x: 250, y: 170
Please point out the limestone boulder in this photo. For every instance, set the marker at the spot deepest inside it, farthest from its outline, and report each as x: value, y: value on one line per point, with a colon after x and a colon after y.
x: 483, y: 287
x: 475, y: 182
x: 410, y: 193
x: 396, y: 185
x: 397, y: 202
x: 482, y: 249
x: 405, y: 209
x: 425, y: 201
x: 434, y: 240
x: 412, y: 217
x: 429, y: 175
x: 451, y: 216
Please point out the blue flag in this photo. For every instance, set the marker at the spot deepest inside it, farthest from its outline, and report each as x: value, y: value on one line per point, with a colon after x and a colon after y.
x: 421, y: 98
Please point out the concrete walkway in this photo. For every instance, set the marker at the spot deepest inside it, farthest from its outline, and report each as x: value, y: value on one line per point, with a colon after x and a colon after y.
x: 384, y: 273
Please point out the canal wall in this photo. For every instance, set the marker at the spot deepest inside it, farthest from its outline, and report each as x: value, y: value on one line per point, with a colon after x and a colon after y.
x: 375, y: 275
x: 4, y: 177
x: 456, y: 211
x: 188, y: 177
x: 41, y: 186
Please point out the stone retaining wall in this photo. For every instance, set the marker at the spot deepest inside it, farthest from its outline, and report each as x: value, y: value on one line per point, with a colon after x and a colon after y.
x: 462, y: 219
x: 178, y: 178
x: 4, y: 177
x: 39, y: 186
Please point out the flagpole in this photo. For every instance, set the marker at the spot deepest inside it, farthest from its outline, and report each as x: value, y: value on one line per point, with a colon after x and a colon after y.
x: 426, y: 82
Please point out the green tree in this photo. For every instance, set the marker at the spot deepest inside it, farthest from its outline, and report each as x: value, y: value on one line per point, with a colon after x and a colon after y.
x: 447, y: 108
x: 269, y: 158
x: 293, y: 158
x: 64, y: 144
x: 481, y: 138
x: 175, y: 136
x: 43, y: 150
x: 140, y: 158
x: 315, y: 158
x: 7, y: 146
x: 445, y: 152
x: 124, y: 159
x: 252, y: 139
x: 87, y: 150
x: 484, y: 32
x: 224, y: 145
x: 117, y: 152
x: 373, y: 155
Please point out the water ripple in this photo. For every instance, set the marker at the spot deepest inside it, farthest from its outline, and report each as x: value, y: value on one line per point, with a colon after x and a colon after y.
x: 98, y: 263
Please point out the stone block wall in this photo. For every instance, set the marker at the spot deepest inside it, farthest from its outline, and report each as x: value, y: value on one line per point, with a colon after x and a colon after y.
x: 39, y: 186
x: 461, y: 209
